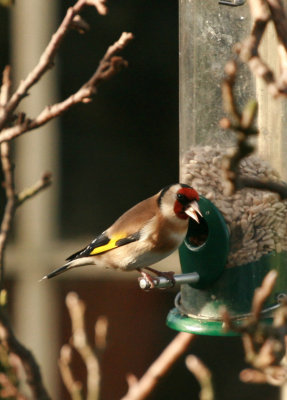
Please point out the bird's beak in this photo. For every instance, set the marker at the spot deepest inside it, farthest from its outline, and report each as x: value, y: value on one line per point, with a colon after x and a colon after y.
x: 193, y: 210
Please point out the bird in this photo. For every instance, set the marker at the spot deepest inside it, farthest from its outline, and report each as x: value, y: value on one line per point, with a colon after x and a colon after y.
x: 143, y: 235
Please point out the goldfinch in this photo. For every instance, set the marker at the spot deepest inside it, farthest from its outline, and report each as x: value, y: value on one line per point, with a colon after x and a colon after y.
x: 142, y: 236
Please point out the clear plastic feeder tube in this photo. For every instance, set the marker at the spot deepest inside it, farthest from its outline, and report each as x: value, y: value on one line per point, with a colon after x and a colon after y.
x: 243, y: 235
x: 208, y: 31
x: 256, y: 219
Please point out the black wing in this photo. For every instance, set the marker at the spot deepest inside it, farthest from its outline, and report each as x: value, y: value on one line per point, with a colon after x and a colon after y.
x: 103, y: 243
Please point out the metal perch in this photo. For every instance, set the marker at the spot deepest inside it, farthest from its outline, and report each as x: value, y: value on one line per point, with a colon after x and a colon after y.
x: 162, y: 282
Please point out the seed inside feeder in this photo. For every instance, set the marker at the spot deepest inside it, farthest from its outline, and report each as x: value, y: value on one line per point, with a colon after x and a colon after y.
x: 256, y: 219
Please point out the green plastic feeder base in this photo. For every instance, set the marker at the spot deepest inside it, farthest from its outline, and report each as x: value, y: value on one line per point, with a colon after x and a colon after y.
x: 200, y: 309
x: 200, y: 306
x: 177, y: 321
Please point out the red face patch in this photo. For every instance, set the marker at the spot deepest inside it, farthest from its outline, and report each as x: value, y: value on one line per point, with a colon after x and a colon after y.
x: 185, y: 196
x: 190, y: 193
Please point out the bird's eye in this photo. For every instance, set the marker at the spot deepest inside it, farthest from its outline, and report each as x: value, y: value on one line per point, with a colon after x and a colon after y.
x: 182, y: 198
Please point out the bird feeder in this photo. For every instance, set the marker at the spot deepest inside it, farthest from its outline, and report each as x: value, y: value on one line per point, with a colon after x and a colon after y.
x: 241, y: 236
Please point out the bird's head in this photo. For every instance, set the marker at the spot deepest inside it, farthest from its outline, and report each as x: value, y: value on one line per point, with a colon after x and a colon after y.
x: 180, y: 200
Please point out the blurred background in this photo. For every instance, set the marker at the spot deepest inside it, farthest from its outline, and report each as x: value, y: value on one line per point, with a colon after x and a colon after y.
x: 105, y: 157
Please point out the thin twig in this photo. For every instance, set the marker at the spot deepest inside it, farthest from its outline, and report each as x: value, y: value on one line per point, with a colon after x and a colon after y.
x: 12, y: 199
x: 242, y: 124
x: 140, y: 389
x: 101, y: 6
x: 228, y: 99
x: 74, y: 387
x: 6, y: 223
x: 101, y: 332
x: 263, y: 344
x: 8, y: 389
x: 5, y: 89
x: 202, y: 374
x: 279, y: 18
x: 32, y: 191
x: 248, y: 49
x: 262, y: 293
x: 80, y: 25
x: 263, y: 12
x: 46, y: 61
x: 30, y: 365
x: 7, y: 169
x: 90, y: 356
x: 109, y: 66
x: 277, y: 11
x: 260, y: 296
x: 76, y: 309
x: 275, y: 375
x: 276, y: 187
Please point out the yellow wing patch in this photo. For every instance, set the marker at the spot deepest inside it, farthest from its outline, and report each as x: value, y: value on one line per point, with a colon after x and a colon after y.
x: 109, y: 246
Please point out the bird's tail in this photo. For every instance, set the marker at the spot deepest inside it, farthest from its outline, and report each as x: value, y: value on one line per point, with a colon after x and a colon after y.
x: 71, y: 264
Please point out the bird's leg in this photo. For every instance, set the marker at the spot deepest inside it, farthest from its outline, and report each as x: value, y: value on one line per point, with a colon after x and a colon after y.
x: 147, y: 276
x: 168, y: 275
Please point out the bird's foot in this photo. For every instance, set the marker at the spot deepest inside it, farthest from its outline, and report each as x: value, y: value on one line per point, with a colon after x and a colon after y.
x: 148, y: 278
x: 168, y: 275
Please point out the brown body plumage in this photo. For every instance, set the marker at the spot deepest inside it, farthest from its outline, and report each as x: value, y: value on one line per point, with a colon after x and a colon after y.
x: 142, y: 236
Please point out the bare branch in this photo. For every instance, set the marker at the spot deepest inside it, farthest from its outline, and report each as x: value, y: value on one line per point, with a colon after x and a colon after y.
x: 101, y: 6
x: 31, y: 367
x: 264, y: 11
x: 79, y: 341
x: 248, y: 345
x: 76, y: 309
x: 47, y: 59
x: 10, y: 201
x: 32, y: 191
x: 74, y: 387
x: 274, y: 375
x: 262, y: 293
x: 250, y: 375
x: 109, y: 66
x: 259, y: 298
x: 227, y: 92
x: 8, y: 389
x: 202, y: 374
x: 248, y: 49
x: 264, y: 345
x: 5, y: 88
x: 140, y: 389
x: 242, y: 124
x: 278, y: 15
x: 79, y: 24
x: 275, y: 187
x: 101, y: 331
